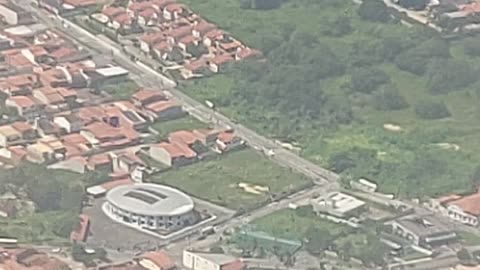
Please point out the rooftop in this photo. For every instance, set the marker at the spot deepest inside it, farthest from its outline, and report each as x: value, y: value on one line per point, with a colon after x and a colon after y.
x: 150, y: 199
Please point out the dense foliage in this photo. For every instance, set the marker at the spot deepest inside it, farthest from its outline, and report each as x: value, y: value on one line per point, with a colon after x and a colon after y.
x: 333, y: 84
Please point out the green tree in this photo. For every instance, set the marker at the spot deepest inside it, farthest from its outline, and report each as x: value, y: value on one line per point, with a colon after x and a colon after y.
x: 367, y: 80
x: 431, y: 110
x: 388, y: 98
x: 471, y: 46
x: 446, y: 75
x: 416, y: 59
x: 317, y: 240
x: 374, y: 10
x: 464, y: 256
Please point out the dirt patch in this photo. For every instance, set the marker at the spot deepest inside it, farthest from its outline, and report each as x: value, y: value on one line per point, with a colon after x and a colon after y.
x: 392, y: 127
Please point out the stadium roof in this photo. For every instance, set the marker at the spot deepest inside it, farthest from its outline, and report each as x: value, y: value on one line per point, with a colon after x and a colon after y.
x: 150, y: 199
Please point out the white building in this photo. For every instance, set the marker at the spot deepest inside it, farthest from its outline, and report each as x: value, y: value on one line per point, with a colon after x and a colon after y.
x: 338, y: 204
x: 210, y: 261
x: 150, y: 206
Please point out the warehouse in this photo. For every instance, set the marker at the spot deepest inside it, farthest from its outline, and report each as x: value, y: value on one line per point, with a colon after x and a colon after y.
x: 150, y: 206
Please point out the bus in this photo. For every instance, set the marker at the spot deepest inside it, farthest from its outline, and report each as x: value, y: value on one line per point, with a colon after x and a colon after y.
x: 8, y: 242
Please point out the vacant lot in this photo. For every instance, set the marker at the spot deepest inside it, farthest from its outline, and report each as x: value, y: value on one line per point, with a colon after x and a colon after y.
x: 217, y: 180
x: 376, y: 73
x: 184, y: 123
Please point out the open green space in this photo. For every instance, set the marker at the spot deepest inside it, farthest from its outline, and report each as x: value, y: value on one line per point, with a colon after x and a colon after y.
x: 185, y: 123
x: 217, y: 180
x: 121, y: 90
x: 361, y: 93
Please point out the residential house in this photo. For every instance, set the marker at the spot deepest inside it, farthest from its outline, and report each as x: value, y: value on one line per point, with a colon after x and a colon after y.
x: 219, y: 62
x: 70, y: 122
x: 146, y: 96
x: 188, y: 43
x: 230, y: 46
x: 196, y: 68
x: 13, y: 14
x: 128, y: 162
x: 202, y: 27
x: 9, y: 136
x: 46, y: 127
x: 163, y: 51
x: 18, y: 85
x: 211, y: 37
x: 127, y: 115
x: 80, y: 232
x: 50, y: 98
x: 156, y: 260
x: 465, y: 209
x: 46, y: 149
x: 148, y: 40
x: 164, y: 110
x: 28, y: 133
x: 211, y: 261
x: 100, y: 162
x: 173, y: 154
x: 175, y: 11
x: 25, y: 106
x: 13, y: 155
x: 207, y: 136
x: 147, y: 17
x: 175, y: 34
x: 246, y: 53
x: 104, y: 135
x: 228, y: 141
x: 425, y: 231
x: 77, y: 164
x: 110, y: 12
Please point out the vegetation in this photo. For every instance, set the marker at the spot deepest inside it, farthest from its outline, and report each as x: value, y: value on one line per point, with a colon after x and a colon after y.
x: 217, y: 180
x: 122, y: 90
x: 184, y: 123
x: 319, y: 235
x: 57, y: 196
x: 333, y: 90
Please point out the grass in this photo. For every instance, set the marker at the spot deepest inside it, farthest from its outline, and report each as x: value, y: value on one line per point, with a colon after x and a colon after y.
x: 417, y: 135
x: 217, y: 180
x: 121, y: 90
x: 184, y: 123
x: 469, y: 238
x: 288, y: 224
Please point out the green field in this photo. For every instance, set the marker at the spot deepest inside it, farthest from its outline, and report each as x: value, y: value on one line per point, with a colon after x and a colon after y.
x: 423, y: 158
x: 289, y: 224
x: 217, y: 180
x: 184, y: 123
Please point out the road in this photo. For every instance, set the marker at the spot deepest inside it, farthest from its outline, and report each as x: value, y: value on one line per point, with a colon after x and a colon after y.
x: 148, y: 77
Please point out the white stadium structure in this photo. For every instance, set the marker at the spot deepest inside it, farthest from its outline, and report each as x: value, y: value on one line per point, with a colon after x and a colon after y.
x: 150, y: 206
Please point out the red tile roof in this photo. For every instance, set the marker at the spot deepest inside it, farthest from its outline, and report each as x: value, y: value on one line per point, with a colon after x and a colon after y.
x: 153, y: 37
x: 183, y: 136
x: 160, y: 106
x: 180, y: 32
x: 80, y: 233
x: 160, y: 258
x: 469, y: 204
x: 22, y: 101
x: 145, y: 94
x: 177, y: 150
x: 111, y: 11
x: 22, y: 127
x: 221, y: 59
x: 226, y: 137
x: 236, y: 265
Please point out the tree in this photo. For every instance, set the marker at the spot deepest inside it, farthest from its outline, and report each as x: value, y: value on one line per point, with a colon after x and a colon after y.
x: 339, y: 27
x: 367, y: 80
x: 374, y: 10
x: 446, y: 75
x: 431, y: 110
x: 317, y: 240
x: 463, y: 255
x: 471, y: 46
x: 416, y: 59
x: 388, y: 98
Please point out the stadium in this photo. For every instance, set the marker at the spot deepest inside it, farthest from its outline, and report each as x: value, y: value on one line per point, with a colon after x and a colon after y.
x: 150, y: 206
